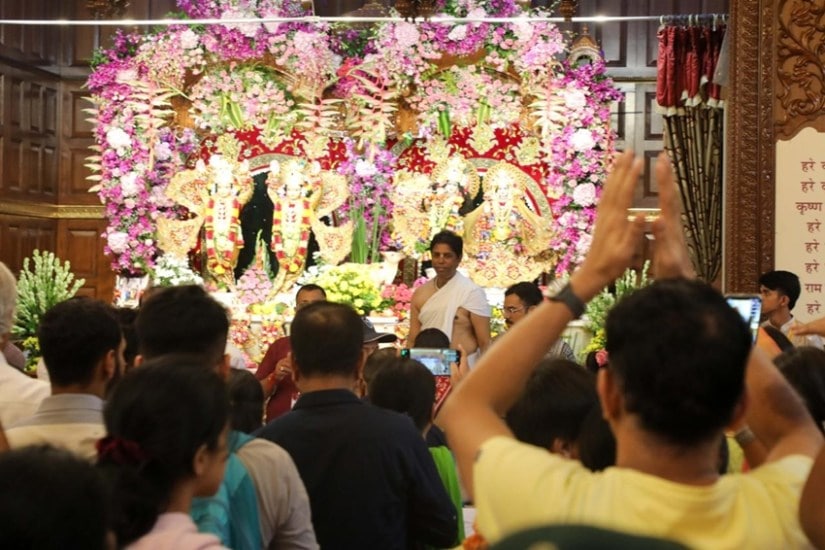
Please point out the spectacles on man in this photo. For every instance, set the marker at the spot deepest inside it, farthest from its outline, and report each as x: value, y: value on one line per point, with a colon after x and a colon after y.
x: 509, y: 310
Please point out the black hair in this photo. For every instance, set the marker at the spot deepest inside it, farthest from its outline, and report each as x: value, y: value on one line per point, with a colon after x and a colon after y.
x: 158, y: 417
x: 127, y: 317
x: 781, y: 341
x: 51, y: 499
x: 449, y: 238
x: 591, y: 363
x: 182, y: 319
x: 246, y: 397
x: 431, y: 338
x: 557, y: 397
x: 310, y: 287
x: 342, y: 332
x: 678, y: 351
x: 529, y: 293
x: 377, y: 360
x: 596, y: 442
x: 75, y: 335
x: 804, y: 368
x: 785, y: 282
x: 405, y: 386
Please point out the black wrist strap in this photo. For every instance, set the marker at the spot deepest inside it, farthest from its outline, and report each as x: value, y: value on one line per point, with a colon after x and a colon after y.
x: 568, y: 298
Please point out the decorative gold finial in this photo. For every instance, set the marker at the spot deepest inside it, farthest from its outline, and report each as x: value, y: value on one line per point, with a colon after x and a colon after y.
x: 106, y: 9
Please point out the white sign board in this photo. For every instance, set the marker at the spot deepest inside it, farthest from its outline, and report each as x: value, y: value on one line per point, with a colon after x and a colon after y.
x: 800, y: 235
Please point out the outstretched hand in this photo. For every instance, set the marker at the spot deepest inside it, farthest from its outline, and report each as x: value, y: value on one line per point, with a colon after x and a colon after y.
x: 816, y: 327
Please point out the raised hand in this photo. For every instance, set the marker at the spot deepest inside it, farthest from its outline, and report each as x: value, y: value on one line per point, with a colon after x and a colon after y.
x: 615, y: 237
x: 671, y: 257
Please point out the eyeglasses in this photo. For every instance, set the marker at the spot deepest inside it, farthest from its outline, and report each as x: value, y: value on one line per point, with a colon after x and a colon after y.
x: 509, y: 310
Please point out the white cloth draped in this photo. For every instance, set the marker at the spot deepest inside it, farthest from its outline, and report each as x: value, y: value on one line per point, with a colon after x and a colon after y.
x: 440, y: 309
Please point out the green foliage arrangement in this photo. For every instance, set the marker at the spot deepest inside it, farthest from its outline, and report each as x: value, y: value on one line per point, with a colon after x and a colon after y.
x: 598, y: 308
x: 38, y: 289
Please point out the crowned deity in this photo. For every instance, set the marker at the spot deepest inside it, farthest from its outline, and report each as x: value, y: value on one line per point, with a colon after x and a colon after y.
x: 214, y: 194
x: 424, y: 206
x: 506, y: 239
x: 454, y: 180
x: 301, y: 195
x: 229, y: 191
x: 294, y: 187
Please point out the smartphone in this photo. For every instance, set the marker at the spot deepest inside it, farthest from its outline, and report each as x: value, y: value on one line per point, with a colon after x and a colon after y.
x: 749, y: 307
x: 437, y: 360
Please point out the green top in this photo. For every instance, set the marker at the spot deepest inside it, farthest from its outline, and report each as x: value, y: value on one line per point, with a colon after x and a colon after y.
x: 445, y: 464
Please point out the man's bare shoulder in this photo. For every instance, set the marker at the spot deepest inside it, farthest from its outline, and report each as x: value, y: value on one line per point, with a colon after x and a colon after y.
x: 422, y: 294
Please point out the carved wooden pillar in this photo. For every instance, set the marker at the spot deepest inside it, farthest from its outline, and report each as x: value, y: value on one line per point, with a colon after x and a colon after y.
x: 751, y: 151
x: 777, y: 88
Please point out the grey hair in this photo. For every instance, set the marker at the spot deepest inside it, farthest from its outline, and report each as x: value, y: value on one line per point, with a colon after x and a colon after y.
x: 8, y: 299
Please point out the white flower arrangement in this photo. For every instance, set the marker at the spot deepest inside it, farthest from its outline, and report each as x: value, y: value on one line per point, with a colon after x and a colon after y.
x: 173, y: 271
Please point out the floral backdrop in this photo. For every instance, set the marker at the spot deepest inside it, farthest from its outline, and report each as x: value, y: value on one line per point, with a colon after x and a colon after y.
x: 367, y: 102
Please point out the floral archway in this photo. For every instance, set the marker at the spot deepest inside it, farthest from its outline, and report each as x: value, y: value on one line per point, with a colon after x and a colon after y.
x: 376, y: 105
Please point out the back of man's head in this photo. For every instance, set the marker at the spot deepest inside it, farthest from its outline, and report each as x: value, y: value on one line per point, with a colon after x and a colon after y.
x: 431, y: 338
x: 182, y: 319
x: 74, y: 337
x: 784, y: 282
x: 327, y: 340
x: 529, y: 293
x: 8, y: 299
x: 679, y: 352
x: 558, y: 396
x: 405, y: 386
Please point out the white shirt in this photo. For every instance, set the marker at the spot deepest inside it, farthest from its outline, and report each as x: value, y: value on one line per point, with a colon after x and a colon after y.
x: 19, y: 395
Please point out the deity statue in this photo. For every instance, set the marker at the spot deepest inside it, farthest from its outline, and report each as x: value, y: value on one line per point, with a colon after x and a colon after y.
x: 506, y: 241
x: 302, y: 194
x: 454, y: 180
x: 424, y: 206
x: 214, y: 194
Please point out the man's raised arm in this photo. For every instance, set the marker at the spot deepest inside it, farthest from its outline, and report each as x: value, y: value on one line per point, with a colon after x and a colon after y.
x: 474, y: 413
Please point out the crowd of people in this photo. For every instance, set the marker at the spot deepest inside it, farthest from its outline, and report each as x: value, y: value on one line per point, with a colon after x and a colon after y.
x: 681, y: 434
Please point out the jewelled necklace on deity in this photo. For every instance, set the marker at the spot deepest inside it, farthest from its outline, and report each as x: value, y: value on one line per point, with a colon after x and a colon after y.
x: 296, y: 230
x: 216, y: 218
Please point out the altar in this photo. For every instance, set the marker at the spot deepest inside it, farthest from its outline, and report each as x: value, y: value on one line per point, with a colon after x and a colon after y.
x: 253, y: 158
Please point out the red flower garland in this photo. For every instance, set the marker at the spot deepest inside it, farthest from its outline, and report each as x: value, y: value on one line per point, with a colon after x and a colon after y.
x: 294, y: 264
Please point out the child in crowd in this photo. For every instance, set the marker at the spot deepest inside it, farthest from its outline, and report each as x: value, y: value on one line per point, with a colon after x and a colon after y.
x: 167, y: 425
x: 246, y: 398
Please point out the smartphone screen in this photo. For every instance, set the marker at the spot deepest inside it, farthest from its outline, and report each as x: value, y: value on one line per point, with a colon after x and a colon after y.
x: 437, y: 360
x: 749, y: 307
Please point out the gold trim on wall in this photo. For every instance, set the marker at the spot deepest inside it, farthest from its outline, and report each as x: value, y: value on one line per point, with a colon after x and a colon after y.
x: 51, y: 211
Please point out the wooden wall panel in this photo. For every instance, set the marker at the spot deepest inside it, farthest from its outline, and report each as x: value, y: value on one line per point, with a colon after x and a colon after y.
x: 36, y: 45
x: 83, y: 41
x: 75, y: 141
x: 79, y: 242
x: 19, y: 236
x: 28, y: 165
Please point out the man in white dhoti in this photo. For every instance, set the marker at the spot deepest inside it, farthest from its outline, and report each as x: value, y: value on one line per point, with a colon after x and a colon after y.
x: 450, y: 301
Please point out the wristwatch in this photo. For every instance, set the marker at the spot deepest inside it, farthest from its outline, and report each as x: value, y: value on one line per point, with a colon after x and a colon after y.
x: 568, y: 298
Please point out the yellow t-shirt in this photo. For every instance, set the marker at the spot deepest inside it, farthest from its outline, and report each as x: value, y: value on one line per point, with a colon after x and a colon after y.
x: 519, y: 486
